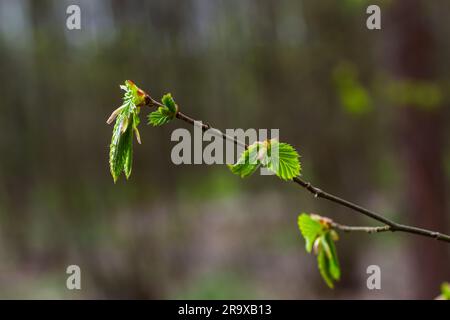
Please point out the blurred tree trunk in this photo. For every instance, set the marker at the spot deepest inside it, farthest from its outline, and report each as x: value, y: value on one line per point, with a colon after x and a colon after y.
x: 411, y: 50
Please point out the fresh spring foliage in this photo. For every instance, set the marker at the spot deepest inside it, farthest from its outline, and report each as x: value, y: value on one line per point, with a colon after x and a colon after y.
x: 127, y: 121
x: 320, y: 236
x: 126, y: 126
x: 164, y: 113
x: 280, y: 158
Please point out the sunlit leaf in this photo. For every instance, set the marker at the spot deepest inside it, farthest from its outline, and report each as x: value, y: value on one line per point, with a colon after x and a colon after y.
x: 250, y: 160
x: 323, y: 265
x: 168, y: 101
x: 137, y: 95
x: 164, y: 113
x: 280, y: 158
x: 160, y: 116
x: 121, y: 149
x: 334, y: 268
x: 283, y: 160
x: 310, y: 229
x: 126, y: 125
x: 318, y: 235
x: 127, y: 151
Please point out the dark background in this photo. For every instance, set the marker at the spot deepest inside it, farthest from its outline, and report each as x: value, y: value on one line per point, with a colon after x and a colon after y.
x: 367, y: 110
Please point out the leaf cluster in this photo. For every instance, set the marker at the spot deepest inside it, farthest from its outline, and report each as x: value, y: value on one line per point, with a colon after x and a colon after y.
x: 280, y: 158
x: 125, y: 127
x: 320, y: 237
x: 164, y: 113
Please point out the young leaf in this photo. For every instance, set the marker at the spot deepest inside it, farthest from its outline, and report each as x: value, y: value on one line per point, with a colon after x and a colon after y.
x: 115, y: 156
x: 165, y: 113
x: 283, y: 160
x: 323, y: 265
x: 127, y: 121
x: 136, y: 94
x: 168, y: 101
x: 335, y: 269
x: 328, y: 263
x: 160, y: 117
x: 120, y: 155
x: 318, y: 234
x: 250, y: 160
x: 310, y: 229
x: 127, y: 151
x: 280, y: 158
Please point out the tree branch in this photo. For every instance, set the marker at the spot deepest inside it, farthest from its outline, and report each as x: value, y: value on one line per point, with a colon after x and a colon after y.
x: 389, y: 225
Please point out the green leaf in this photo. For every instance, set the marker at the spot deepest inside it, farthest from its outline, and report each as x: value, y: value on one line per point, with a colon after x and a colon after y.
x: 327, y: 261
x: 164, y: 113
x: 160, y: 117
x: 323, y: 265
x: 280, y: 158
x: 250, y: 160
x: 335, y: 269
x: 134, y: 93
x: 126, y: 125
x: 310, y: 229
x: 121, y: 148
x: 283, y: 160
x: 168, y: 101
x: 127, y: 139
x: 114, y: 158
x: 445, y: 291
x: 318, y: 234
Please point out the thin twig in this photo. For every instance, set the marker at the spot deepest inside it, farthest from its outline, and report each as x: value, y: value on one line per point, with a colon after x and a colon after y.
x: 345, y: 228
x: 318, y: 193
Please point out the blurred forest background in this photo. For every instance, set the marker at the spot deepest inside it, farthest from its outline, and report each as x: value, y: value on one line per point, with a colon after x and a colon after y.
x: 367, y: 110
